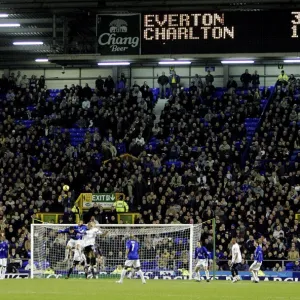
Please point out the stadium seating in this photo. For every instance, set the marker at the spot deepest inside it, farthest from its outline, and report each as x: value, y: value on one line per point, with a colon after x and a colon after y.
x: 221, y: 145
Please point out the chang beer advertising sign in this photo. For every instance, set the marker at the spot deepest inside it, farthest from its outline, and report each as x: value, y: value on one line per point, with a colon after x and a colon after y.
x: 105, y: 200
x: 119, y: 34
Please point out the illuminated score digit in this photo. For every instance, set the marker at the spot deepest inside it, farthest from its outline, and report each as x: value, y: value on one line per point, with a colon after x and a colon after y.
x: 295, y: 22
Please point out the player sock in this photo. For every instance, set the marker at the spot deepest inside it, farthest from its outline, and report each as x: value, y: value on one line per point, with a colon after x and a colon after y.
x: 256, y: 275
x: 70, y: 271
x: 3, y: 272
x: 207, y: 275
x: 123, y: 275
x: 67, y: 254
x: 140, y: 272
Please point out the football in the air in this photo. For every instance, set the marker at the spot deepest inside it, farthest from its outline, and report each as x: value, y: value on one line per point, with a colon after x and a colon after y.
x: 66, y: 188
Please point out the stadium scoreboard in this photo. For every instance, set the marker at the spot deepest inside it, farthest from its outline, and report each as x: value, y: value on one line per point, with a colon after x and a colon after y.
x: 221, y: 32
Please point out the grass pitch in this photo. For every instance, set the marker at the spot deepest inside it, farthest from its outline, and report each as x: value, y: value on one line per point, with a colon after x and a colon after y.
x: 75, y: 289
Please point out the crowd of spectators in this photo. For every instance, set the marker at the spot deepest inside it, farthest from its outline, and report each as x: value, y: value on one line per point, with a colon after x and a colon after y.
x: 188, y: 167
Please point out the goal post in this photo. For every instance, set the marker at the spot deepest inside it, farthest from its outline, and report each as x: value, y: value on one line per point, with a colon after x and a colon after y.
x: 166, y: 251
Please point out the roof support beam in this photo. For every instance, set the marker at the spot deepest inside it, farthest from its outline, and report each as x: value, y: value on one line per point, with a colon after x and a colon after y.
x: 34, y: 48
x: 30, y: 21
x: 26, y: 30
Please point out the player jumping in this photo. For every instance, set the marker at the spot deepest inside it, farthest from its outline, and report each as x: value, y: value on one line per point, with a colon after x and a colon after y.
x: 258, y: 259
x: 88, y: 243
x: 202, y: 255
x: 78, y: 259
x: 74, y: 235
x: 3, y: 256
x: 133, y: 260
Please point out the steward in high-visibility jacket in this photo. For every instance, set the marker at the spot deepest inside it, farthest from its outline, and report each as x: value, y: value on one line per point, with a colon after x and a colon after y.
x: 282, y: 78
x: 121, y: 206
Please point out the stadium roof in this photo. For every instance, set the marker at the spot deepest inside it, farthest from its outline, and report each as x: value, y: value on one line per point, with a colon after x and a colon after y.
x: 69, y: 26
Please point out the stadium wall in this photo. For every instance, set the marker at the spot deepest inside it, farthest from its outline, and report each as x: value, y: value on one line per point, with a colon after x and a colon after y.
x: 56, y: 78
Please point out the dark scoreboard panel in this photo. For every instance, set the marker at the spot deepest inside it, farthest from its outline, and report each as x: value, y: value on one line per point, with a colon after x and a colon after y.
x: 221, y: 32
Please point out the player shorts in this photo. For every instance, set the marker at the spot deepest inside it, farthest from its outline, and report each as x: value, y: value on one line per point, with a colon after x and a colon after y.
x: 255, y: 266
x: 88, y: 249
x: 3, y: 262
x: 77, y: 262
x: 202, y: 263
x: 133, y: 263
x: 72, y: 243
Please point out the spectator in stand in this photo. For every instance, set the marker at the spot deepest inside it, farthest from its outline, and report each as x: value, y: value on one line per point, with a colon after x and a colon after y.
x: 209, y: 78
x: 86, y: 104
x: 109, y: 85
x: 18, y: 79
x: 135, y: 85
x: 231, y: 83
x: 174, y: 81
x: 292, y: 80
x: 246, y: 78
x: 198, y: 82
x: 41, y: 82
x: 296, y: 266
x: 87, y: 92
x: 24, y: 82
x: 145, y: 90
x: 266, y: 93
x: 99, y: 84
x: 162, y: 81
x: 293, y: 254
x: 282, y: 78
x: 32, y: 82
x: 3, y: 84
x: 193, y: 88
x: 121, y: 84
x: 255, y: 80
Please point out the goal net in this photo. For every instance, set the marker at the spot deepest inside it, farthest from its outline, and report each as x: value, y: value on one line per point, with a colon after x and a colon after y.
x: 166, y: 251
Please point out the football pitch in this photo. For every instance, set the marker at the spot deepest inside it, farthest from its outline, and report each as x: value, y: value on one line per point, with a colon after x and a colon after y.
x: 73, y: 289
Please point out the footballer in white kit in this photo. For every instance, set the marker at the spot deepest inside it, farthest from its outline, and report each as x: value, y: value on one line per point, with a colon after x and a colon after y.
x: 78, y: 259
x: 88, y: 244
x: 236, y: 260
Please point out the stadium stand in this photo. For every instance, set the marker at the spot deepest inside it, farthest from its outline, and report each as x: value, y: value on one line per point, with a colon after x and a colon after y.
x: 217, y: 152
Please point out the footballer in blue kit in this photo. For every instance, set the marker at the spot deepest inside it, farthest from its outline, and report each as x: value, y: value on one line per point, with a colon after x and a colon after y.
x: 133, y: 259
x: 74, y: 236
x: 3, y: 256
x: 258, y: 259
x: 202, y: 255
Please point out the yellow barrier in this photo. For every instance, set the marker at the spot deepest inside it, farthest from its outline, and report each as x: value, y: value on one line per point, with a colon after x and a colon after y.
x: 51, y: 218
x: 88, y: 197
x: 127, y: 218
